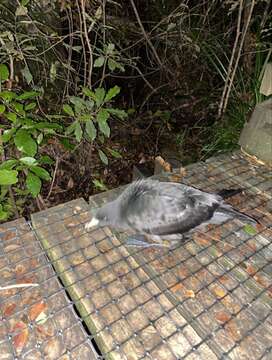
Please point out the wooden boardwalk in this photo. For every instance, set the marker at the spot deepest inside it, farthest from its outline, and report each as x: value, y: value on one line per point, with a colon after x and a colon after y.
x: 96, y: 298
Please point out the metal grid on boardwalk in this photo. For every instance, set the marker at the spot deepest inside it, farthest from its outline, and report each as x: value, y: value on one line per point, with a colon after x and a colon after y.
x: 35, y: 322
x: 210, y: 298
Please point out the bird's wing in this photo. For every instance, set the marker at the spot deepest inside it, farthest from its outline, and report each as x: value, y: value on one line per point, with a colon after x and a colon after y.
x: 167, y: 208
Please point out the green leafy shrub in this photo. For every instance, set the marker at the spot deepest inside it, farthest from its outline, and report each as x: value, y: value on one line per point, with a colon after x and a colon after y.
x: 91, y: 114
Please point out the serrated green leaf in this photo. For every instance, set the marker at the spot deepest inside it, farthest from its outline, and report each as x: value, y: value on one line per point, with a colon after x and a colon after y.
x: 99, y: 96
x: 30, y: 106
x: 27, y: 75
x: 249, y: 229
x: 4, y: 72
x: 8, y: 164
x: 11, y: 116
x: 91, y: 130
x: 104, y: 128
x: 103, y: 157
x: 33, y: 184
x: 67, y: 108
x: 2, y: 108
x: 24, y: 2
x: 88, y: 92
x: 41, y: 172
x: 28, y: 160
x: 7, y: 95
x: 25, y: 143
x: 112, y: 93
x: 8, y: 177
x: 99, y: 61
x: 28, y: 95
x: 121, y: 114
x: 78, y: 131
x: 7, y: 134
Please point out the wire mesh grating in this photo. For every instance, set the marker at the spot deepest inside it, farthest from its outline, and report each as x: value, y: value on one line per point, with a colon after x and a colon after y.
x: 209, y: 298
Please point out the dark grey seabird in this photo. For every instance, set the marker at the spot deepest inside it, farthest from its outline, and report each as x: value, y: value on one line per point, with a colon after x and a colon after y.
x: 165, y: 210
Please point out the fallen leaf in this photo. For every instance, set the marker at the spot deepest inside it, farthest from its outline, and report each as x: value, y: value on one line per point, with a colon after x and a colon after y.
x: 260, y: 280
x: 252, y: 245
x: 41, y: 318
x: 182, y: 171
x: 233, y: 331
x: 9, y: 309
x: 183, y: 272
x: 26, y: 280
x: 177, y: 287
x: 175, y: 178
x: 189, y: 293
x: 251, y: 270
x: 20, y: 269
x: 249, y: 229
x: 11, y: 247
x: 70, y: 184
x: 21, y: 337
x: 219, y: 292
x: 222, y: 316
x: 36, y: 310
x: 200, y: 239
x: 164, y: 164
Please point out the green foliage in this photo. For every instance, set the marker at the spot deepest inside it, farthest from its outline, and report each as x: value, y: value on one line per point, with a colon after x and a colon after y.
x: 22, y: 133
x: 91, y: 116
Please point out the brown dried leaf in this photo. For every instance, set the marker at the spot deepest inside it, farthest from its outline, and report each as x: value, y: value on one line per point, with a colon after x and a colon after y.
x: 21, y: 337
x: 164, y: 164
x: 260, y: 280
x: 20, y: 269
x: 189, y: 293
x: 233, y: 331
x: 36, y: 310
x: 9, y: 309
x: 26, y: 280
x: 251, y: 244
x: 183, y: 272
x: 177, y: 287
x: 251, y: 270
x: 201, y: 239
x: 222, y: 316
x: 70, y: 184
x: 182, y: 171
x: 12, y: 247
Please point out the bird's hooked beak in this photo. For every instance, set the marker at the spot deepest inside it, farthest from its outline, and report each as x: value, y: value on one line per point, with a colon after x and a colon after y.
x: 94, y: 222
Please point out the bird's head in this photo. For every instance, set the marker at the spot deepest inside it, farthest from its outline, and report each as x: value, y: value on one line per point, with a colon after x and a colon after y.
x: 105, y: 216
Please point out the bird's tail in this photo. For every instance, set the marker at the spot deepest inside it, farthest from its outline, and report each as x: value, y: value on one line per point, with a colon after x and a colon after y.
x: 228, y: 210
x: 227, y: 193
